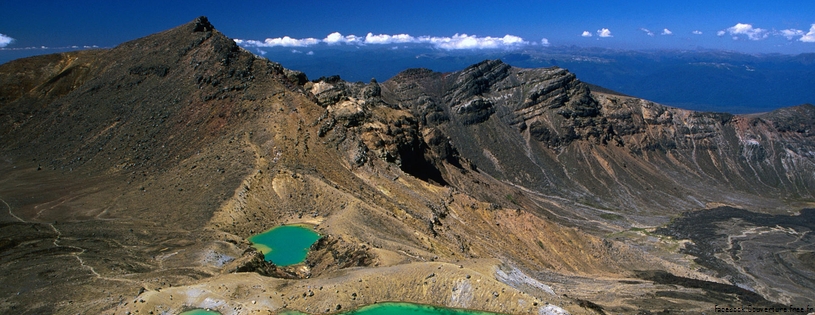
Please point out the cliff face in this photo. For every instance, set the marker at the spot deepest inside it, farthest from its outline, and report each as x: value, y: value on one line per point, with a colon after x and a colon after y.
x: 152, y: 162
x: 543, y: 129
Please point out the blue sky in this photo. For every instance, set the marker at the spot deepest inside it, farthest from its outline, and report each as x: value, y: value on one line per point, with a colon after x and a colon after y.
x: 744, y: 26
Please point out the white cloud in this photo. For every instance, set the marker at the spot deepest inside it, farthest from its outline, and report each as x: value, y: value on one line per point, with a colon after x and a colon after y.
x: 586, y: 34
x: 647, y: 31
x: 71, y: 47
x: 5, y: 40
x: 295, y: 51
x: 337, y: 38
x: 389, y: 39
x: 512, y: 40
x: 334, y: 38
x: 285, y: 41
x: 604, y: 33
x: 721, y: 33
x: 464, y: 41
x: 790, y: 33
x: 310, y: 53
x: 457, y: 41
x: 290, y: 42
x: 545, y: 42
x: 810, y: 36
x: 667, y: 32
x: 745, y: 29
x: 696, y: 32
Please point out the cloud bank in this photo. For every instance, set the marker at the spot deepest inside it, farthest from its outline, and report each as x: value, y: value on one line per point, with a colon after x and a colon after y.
x: 457, y: 41
x: 473, y: 42
x: 754, y: 33
x: 284, y: 41
x: 5, y: 40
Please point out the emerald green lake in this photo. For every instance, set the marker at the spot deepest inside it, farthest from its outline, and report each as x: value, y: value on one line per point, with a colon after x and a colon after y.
x: 412, y: 309
x: 394, y: 308
x: 200, y: 312
x: 285, y: 245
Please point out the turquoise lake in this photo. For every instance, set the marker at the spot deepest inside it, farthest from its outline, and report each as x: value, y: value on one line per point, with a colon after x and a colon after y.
x: 412, y: 309
x: 285, y: 245
x: 389, y: 308
x: 396, y: 308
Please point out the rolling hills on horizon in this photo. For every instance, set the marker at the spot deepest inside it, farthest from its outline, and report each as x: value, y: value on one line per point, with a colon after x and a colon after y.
x: 134, y: 176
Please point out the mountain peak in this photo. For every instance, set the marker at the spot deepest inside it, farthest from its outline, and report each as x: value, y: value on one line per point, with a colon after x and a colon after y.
x: 202, y: 24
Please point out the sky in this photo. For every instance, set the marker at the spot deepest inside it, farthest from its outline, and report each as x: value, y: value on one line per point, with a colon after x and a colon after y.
x: 787, y: 27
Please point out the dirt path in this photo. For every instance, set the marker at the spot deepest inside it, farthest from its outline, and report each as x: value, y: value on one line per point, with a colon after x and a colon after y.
x: 81, y: 250
x: 12, y: 213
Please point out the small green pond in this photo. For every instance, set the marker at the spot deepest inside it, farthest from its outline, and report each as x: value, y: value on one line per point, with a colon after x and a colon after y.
x: 285, y: 245
x: 398, y: 308
x: 200, y: 312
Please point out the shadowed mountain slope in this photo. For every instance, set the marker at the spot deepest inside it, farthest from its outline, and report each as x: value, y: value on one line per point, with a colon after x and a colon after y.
x: 543, y: 129
x: 133, y: 177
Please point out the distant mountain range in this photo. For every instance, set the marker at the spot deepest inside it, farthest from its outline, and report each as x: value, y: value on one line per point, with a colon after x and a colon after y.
x: 704, y: 80
x: 696, y: 79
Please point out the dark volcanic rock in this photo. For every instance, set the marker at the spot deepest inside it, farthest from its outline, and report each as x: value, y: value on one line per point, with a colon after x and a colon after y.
x: 474, y: 112
x: 551, y: 96
x: 601, y: 144
x: 713, y: 289
x: 332, y: 253
x: 201, y: 24
x: 726, y: 241
x: 476, y: 80
x: 253, y: 261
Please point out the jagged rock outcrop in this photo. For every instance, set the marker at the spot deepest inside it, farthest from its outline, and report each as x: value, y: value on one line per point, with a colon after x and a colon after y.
x: 551, y: 103
x: 253, y: 261
x: 331, y: 253
x: 368, y: 127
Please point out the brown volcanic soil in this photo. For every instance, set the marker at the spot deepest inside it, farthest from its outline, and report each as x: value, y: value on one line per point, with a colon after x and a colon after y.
x: 133, y: 176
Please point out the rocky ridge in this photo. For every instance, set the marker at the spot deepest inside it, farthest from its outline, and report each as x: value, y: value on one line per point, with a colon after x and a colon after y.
x: 527, y: 125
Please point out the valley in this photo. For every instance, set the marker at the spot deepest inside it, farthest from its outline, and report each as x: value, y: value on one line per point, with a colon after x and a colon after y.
x: 134, y: 177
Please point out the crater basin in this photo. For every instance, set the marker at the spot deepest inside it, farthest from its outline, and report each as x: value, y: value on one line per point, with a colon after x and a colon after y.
x: 285, y: 245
